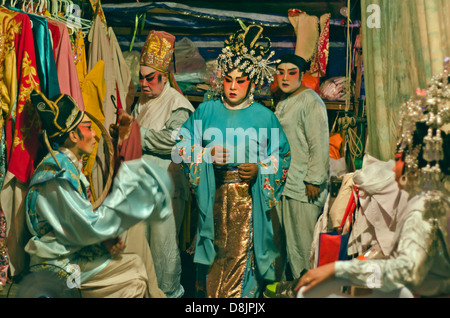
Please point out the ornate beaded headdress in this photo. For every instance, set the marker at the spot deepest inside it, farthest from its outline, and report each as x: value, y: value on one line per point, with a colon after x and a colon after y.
x: 248, y: 51
x: 158, y: 50
x: 431, y: 109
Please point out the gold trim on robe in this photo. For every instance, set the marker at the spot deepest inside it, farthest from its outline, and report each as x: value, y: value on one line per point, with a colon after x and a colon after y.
x: 233, y: 235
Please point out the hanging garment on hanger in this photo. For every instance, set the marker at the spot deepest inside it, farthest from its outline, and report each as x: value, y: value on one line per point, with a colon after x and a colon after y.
x: 19, y: 78
x: 67, y: 72
x: 94, y: 91
x: 320, y: 62
x: 45, y: 60
x: 312, y: 39
x: 99, y: 49
x: 97, y: 8
x: 55, y: 34
x: 121, y: 71
x: 79, y: 55
x: 8, y: 91
x: 307, y: 31
x: 8, y: 68
x: 22, y: 131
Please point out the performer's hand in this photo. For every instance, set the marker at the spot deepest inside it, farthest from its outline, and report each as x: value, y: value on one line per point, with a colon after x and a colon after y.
x: 114, y: 245
x: 122, y: 127
x: 124, y: 119
x: 312, y: 192
x: 315, y: 276
x: 191, y: 249
x: 219, y: 155
x: 248, y: 171
x: 114, y: 131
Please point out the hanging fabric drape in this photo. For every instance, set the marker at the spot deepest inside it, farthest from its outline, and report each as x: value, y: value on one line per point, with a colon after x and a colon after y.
x: 19, y: 77
x: 94, y: 91
x: 404, y: 44
x: 65, y: 64
x: 43, y: 51
x: 312, y: 42
x: 104, y: 47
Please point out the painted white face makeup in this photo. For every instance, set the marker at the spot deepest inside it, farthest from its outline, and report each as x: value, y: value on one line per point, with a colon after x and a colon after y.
x: 236, y: 87
x: 289, y: 78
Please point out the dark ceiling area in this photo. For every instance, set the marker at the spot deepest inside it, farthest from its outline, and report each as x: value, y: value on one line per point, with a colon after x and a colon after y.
x: 271, y: 7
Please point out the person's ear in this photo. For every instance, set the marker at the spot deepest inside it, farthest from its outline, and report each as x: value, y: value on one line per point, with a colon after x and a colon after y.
x: 165, y: 77
x: 73, y: 136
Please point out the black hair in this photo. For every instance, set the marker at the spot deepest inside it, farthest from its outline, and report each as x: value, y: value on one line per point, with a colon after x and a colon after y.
x: 61, y: 139
x: 296, y: 60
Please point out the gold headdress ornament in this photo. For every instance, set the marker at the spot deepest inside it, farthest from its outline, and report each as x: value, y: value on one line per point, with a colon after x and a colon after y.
x: 248, y: 51
x: 158, y: 50
x: 429, y: 109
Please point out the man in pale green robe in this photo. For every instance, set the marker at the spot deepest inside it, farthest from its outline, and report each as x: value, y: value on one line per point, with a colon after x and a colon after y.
x: 303, y: 116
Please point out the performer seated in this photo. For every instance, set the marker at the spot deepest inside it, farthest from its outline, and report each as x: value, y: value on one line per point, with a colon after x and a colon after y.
x: 66, y: 230
x: 420, y: 260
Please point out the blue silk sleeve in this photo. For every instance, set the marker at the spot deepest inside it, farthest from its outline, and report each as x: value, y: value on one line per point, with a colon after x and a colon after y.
x: 139, y: 192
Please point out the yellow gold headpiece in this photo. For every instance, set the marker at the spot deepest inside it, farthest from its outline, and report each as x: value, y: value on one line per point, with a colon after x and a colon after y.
x: 158, y: 50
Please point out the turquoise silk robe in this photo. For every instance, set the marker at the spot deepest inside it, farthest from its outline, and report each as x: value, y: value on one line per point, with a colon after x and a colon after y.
x: 66, y: 231
x: 254, y: 135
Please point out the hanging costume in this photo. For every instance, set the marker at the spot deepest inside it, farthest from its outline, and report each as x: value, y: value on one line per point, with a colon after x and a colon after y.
x: 93, y: 89
x: 19, y: 126
x: 312, y: 39
x: 103, y: 47
x: 99, y: 49
x: 234, y: 244
x: 45, y: 60
x: 67, y: 71
x: 79, y: 55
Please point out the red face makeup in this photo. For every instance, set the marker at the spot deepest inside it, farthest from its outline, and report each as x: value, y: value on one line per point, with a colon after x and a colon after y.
x: 236, y: 87
x: 399, y: 165
x: 151, y: 81
x: 288, y: 77
x: 87, y: 143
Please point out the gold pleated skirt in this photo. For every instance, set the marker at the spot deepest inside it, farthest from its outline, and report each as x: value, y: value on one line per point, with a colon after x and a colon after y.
x: 232, y: 235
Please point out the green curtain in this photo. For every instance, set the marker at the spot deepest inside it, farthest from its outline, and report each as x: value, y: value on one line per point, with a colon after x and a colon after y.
x: 400, y: 55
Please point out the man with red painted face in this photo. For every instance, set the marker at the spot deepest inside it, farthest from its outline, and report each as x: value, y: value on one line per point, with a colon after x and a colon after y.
x: 236, y: 157
x: 303, y: 116
x: 65, y: 229
x: 160, y: 111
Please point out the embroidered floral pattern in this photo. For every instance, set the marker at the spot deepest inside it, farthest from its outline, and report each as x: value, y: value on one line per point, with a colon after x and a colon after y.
x: 267, y: 183
x: 24, y: 118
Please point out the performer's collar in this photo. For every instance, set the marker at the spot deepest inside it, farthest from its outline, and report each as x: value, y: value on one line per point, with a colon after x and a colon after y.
x: 77, y: 163
x: 246, y: 103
